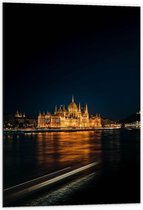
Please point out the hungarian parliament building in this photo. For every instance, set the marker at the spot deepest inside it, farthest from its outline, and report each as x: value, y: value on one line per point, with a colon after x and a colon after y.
x: 72, y: 117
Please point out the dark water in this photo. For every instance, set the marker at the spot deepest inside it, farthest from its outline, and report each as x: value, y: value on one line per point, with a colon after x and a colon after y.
x: 31, y: 155
x: 28, y: 156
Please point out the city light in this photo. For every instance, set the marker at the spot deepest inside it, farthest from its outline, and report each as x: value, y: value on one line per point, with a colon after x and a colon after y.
x: 73, y: 117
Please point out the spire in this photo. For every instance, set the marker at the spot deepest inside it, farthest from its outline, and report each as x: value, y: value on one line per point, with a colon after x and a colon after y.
x: 72, y: 98
x: 17, y: 114
x: 64, y: 109
x: 55, y: 109
x: 86, y: 109
x: 79, y: 108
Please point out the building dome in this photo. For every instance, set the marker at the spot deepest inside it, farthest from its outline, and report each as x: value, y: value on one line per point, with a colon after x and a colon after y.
x: 72, y: 107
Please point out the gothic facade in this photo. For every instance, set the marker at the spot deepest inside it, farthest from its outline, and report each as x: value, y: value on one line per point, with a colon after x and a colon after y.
x: 73, y: 117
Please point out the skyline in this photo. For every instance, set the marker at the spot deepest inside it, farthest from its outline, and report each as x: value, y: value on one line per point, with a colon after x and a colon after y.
x: 96, y: 58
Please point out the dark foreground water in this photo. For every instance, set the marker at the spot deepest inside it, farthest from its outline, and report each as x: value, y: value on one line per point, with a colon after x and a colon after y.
x: 28, y: 156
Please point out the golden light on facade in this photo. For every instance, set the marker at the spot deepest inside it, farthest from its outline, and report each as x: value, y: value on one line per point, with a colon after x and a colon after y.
x: 73, y: 117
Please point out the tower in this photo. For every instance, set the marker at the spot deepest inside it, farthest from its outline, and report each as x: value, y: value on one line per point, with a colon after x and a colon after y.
x: 73, y: 98
x: 72, y: 107
x: 79, y: 108
x: 86, y: 109
x: 55, y: 110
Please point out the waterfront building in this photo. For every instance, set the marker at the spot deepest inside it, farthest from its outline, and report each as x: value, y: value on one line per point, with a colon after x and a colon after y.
x: 19, y: 115
x: 135, y: 124
x: 23, y: 121
x: 95, y: 121
x: 72, y: 117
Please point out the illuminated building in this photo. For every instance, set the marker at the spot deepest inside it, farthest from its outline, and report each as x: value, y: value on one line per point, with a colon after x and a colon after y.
x: 19, y: 115
x: 135, y: 124
x: 22, y: 121
x: 95, y: 121
x: 73, y: 117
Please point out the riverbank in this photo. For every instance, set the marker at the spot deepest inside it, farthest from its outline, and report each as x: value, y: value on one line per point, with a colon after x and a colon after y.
x: 26, y: 189
x: 37, y: 130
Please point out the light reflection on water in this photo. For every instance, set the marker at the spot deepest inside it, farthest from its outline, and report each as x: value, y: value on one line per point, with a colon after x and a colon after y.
x: 28, y: 156
x: 68, y: 148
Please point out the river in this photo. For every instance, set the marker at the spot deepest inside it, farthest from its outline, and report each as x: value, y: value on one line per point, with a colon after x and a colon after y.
x: 30, y: 155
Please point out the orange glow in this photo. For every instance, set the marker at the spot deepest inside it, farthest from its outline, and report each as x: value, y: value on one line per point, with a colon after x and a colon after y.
x: 73, y: 117
x: 69, y: 148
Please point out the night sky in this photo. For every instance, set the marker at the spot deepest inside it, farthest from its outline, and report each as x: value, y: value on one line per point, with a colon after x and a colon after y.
x: 53, y: 51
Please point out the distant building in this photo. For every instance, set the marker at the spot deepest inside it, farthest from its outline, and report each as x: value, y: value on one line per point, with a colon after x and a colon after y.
x: 135, y: 124
x: 19, y: 115
x: 132, y: 121
x: 72, y: 117
x: 20, y: 120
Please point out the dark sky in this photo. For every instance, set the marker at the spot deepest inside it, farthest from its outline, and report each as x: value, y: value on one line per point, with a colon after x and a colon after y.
x: 53, y: 51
